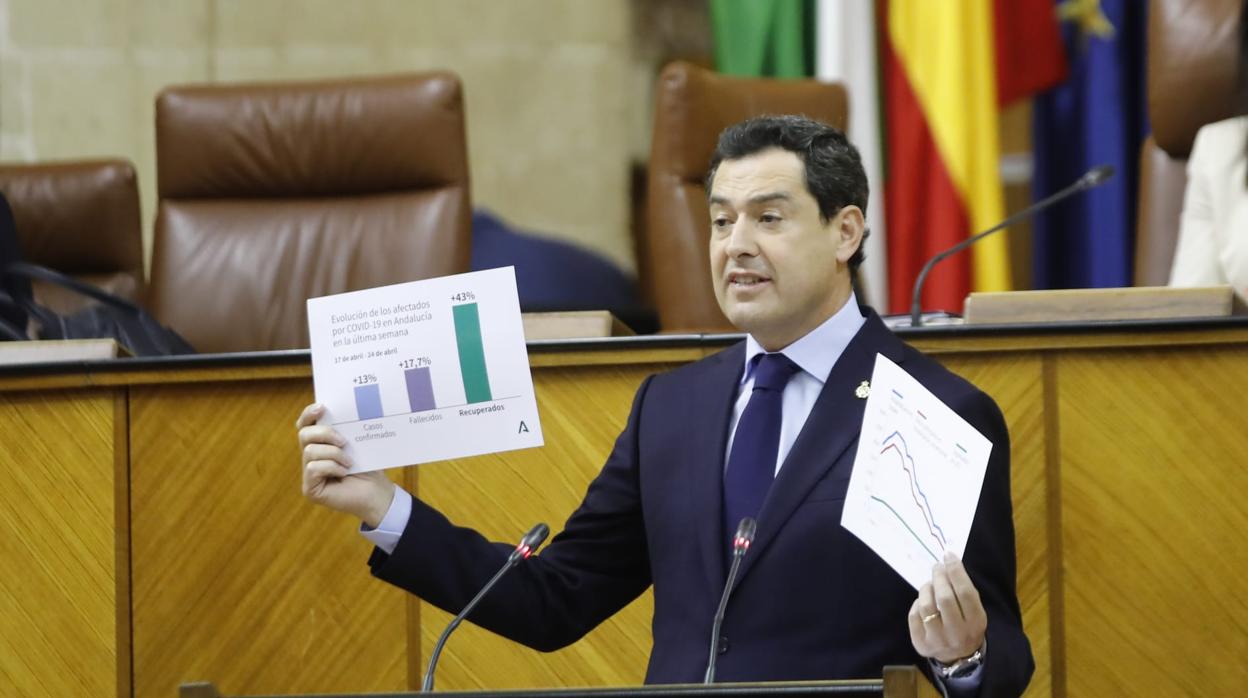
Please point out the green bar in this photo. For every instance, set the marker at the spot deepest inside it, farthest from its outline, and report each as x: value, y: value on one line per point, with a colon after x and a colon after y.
x: 471, y: 353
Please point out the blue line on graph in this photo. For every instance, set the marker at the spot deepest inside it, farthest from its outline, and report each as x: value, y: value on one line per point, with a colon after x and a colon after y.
x: 926, y: 506
x: 915, y: 494
x: 899, y: 395
x: 911, y: 530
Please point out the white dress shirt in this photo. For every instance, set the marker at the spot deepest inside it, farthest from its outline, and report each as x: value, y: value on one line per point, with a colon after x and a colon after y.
x: 815, y: 353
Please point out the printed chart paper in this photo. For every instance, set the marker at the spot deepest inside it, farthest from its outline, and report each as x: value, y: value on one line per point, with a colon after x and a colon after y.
x: 425, y: 371
x: 917, y: 475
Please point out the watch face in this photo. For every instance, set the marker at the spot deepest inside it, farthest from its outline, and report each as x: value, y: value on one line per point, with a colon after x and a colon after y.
x: 963, y: 669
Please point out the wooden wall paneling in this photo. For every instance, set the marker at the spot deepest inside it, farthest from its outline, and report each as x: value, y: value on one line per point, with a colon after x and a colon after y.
x: 1154, y: 444
x: 59, y: 633
x: 1056, y: 585
x: 1127, y: 534
x: 410, y: 480
x: 620, y: 357
x: 73, y: 376
x: 236, y: 578
x: 121, y: 542
x: 583, y: 410
x: 1025, y: 339
x: 1015, y: 382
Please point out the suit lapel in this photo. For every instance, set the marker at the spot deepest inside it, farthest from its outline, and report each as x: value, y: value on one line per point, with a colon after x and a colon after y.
x: 831, y: 428
x: 712, y: 411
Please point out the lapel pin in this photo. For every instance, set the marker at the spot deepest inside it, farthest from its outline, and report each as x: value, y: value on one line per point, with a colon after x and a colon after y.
x: 863, y: 390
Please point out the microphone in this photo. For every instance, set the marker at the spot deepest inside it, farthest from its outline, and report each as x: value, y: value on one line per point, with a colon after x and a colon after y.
x: 1092, y: 178
x: 527, y: 546
x: 740, y: 543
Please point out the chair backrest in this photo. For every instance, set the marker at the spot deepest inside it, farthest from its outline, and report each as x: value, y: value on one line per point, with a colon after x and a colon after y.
x: 692, y: 106
x: 1162, y: 181
x: 1192, y: 54
x: 274, y: 193
x: 82, y: 219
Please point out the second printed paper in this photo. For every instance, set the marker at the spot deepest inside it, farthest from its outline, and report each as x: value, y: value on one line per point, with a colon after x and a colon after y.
x: 426, y: 370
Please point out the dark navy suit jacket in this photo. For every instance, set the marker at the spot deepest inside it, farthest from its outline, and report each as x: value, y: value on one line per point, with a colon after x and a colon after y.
x: 811, y: 600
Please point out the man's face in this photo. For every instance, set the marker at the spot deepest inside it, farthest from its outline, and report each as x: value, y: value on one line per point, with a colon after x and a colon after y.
x: 779, y: 270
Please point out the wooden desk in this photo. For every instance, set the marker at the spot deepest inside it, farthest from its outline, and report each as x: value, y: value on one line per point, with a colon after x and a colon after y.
x: 152, y: 530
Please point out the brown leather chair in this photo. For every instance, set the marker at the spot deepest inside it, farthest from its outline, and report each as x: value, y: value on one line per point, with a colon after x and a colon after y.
x: 82, y: 219
x: 271, y: 194
x: 692, y: 106
x: 1192, y: 53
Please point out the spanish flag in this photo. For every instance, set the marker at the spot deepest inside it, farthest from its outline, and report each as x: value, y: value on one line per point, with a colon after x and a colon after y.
x: 948, y: 66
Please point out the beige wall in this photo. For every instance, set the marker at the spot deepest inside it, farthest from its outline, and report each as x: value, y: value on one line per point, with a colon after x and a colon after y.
x: 555, y: 107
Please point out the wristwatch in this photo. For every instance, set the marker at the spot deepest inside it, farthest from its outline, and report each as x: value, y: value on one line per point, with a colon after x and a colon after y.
x: 961, y: 667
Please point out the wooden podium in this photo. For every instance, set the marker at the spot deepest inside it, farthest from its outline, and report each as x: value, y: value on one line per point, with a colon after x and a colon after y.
x: 897, y: 682
x: 152, y: 531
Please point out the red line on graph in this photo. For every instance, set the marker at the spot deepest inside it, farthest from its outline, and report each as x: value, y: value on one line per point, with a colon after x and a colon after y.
x: 914, y: 494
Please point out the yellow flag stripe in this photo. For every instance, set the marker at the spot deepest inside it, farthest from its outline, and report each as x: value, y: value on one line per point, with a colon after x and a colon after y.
x: 950, y: 63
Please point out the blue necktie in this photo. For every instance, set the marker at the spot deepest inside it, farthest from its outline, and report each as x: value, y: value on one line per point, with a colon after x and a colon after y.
x: 752, y: 461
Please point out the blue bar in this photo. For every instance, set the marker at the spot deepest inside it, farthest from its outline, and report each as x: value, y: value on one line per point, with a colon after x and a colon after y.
x: 368, y: 401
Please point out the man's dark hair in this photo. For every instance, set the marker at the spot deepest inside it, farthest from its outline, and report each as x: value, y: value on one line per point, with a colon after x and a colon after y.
x: 834, y: 174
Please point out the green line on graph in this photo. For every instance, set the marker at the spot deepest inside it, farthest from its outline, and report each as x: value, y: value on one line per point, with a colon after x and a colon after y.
x: 911, y: 530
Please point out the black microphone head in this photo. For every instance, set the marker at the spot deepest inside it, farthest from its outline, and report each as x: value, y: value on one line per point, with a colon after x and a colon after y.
x: 745, y: 534
x: 533, y: 539
x: 1097, y: 176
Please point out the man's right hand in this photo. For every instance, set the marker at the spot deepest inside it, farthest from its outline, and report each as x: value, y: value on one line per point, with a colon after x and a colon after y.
x: 325, y: 479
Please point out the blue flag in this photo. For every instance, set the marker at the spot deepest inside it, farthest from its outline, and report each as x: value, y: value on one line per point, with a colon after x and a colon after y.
x: 1099, y: 115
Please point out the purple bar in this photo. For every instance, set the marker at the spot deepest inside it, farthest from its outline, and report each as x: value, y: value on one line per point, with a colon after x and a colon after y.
x: 419, y: 389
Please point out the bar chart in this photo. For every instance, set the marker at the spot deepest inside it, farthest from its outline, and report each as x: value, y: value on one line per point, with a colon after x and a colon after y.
x: 417, y: 374
x: 425, y: 370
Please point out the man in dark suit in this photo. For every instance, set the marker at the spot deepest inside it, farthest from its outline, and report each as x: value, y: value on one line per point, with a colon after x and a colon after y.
x: 766, y: 428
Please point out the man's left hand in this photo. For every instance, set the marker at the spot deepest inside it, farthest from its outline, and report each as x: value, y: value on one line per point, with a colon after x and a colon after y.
x: 947, y: 620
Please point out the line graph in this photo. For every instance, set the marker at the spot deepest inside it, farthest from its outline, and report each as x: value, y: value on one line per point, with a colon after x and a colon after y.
x: 917, y: 474
x: 916, y: 490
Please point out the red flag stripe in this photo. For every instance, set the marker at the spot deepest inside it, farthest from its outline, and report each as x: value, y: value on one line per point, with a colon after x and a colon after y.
x: 924, y: 211
x: 1028, y: 45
